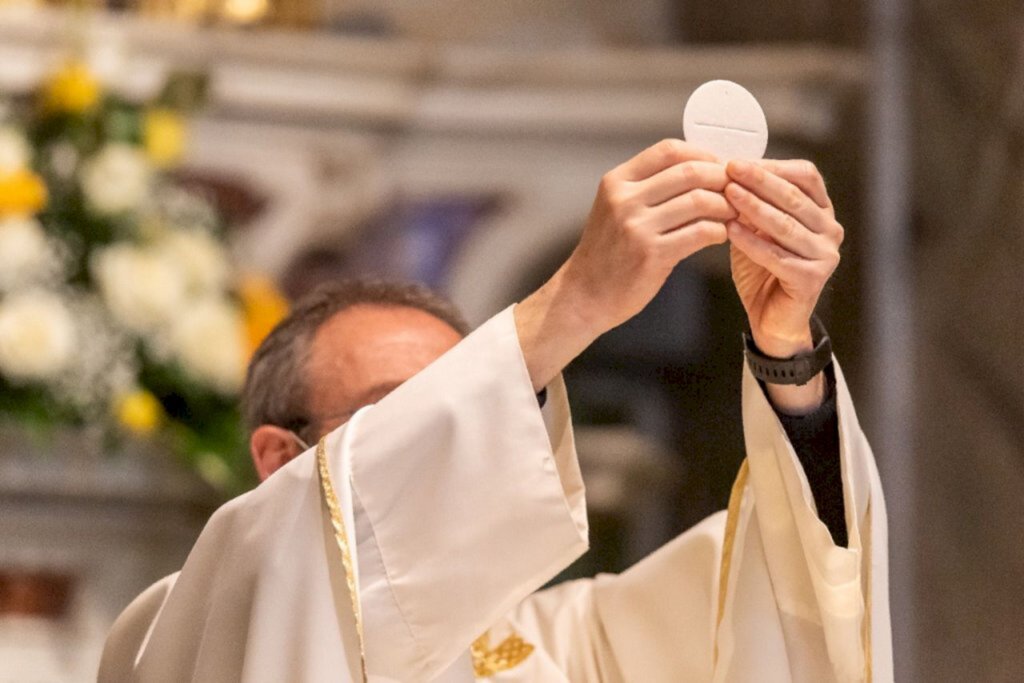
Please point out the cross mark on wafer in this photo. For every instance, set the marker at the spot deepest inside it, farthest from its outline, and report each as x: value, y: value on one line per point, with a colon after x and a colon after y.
x: 733, y: 129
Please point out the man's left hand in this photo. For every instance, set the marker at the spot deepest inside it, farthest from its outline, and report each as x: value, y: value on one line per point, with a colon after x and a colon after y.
x: 784, y: 247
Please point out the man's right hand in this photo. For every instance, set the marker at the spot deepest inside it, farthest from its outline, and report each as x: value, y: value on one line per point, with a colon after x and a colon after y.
x: 649, y: 214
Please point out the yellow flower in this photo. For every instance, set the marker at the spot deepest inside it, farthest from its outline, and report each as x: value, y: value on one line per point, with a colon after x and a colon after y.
x: 21, y: 193
x: 264, y: 305
x: 139, y: 412
x: 71, y: 89
x: 164, y: 136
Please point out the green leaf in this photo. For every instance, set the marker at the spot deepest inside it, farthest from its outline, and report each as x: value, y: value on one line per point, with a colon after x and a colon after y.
x: 122, y: 122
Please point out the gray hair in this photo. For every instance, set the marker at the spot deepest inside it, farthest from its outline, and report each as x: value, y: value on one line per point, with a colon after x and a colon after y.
x: 276, y: 391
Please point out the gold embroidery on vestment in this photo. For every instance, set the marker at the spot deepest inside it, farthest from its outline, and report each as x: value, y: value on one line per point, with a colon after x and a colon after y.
x: 340, y: 535
x: 512, y: 652
x: 731, y: 521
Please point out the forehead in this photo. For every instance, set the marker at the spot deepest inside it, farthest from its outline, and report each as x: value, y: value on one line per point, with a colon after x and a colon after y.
x: 364, y: 351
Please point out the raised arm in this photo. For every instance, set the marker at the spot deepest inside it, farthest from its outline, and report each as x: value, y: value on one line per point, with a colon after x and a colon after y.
x: 784, y: 248
x: 818, y: 527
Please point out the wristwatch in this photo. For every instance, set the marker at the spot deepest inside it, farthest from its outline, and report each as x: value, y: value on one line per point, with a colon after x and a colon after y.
x: 800, y: 369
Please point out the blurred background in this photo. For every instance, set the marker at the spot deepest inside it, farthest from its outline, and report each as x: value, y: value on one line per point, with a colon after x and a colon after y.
x: 174, y: 172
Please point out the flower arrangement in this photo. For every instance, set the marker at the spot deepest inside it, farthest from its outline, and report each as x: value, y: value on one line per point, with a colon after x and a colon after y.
x: 119, y: 306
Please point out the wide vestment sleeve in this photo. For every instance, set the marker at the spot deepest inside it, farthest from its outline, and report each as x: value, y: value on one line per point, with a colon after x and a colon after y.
x: 462, y: 497
x: 469, y: 498
x: 794, y: 606
x: 756, y: 593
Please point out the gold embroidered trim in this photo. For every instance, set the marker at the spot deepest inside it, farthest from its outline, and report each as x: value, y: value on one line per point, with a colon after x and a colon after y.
x: 512, y: 652
x: 732, y: 520
x: 340, y: 535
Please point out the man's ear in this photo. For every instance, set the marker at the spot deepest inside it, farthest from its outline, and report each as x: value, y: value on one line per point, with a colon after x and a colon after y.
x: 271, y: 448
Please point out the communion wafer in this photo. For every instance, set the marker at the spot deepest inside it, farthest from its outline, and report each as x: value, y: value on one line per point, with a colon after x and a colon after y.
x: 723, y: 118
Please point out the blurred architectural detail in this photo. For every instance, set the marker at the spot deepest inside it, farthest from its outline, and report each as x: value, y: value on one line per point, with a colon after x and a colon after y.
x: 523, y: 24
x: 283, y: 13
x: 969, y: 116
x: 520, y: 23
x: 81, y: 534
x: 781, y: 21
x: 344, y: 123
x: 888, y: 289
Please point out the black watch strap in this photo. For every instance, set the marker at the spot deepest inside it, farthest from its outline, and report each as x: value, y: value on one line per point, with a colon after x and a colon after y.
x: 799, y: 369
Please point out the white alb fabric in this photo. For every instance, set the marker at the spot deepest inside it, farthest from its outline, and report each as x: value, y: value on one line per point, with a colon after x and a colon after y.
x: 463, y: 498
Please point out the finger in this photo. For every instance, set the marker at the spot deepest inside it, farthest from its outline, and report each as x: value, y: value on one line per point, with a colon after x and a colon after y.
x: 777, y: 260
x: 692, y: 206
x: 781, y: 227
x: 692, y: 238
x: 803, y: 174
x: 660, y: 156
x: 680, y: 179
x: 784, y: 195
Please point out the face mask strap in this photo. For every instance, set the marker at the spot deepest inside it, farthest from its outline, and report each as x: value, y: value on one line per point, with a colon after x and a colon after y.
x: 299, y: 440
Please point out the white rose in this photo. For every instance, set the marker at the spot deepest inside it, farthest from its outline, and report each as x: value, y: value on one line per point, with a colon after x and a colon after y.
x: 207, y: 339
x: 143, y: 289
x: 200, y: 256
x: 26, y: 254
x: 116, y: 179
x: 37, y: 336
x: 15, y: 152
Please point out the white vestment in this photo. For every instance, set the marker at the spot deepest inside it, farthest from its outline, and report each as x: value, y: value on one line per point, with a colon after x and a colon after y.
x: 461, y: 498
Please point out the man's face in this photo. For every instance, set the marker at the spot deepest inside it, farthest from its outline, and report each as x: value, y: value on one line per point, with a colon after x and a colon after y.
x: 363, y: 352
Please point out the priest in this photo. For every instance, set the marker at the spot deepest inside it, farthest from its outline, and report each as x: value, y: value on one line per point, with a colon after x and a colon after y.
x: 443, y: 487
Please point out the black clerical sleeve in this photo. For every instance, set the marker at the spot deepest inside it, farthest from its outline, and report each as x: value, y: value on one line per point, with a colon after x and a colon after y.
x: 815, y: 438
